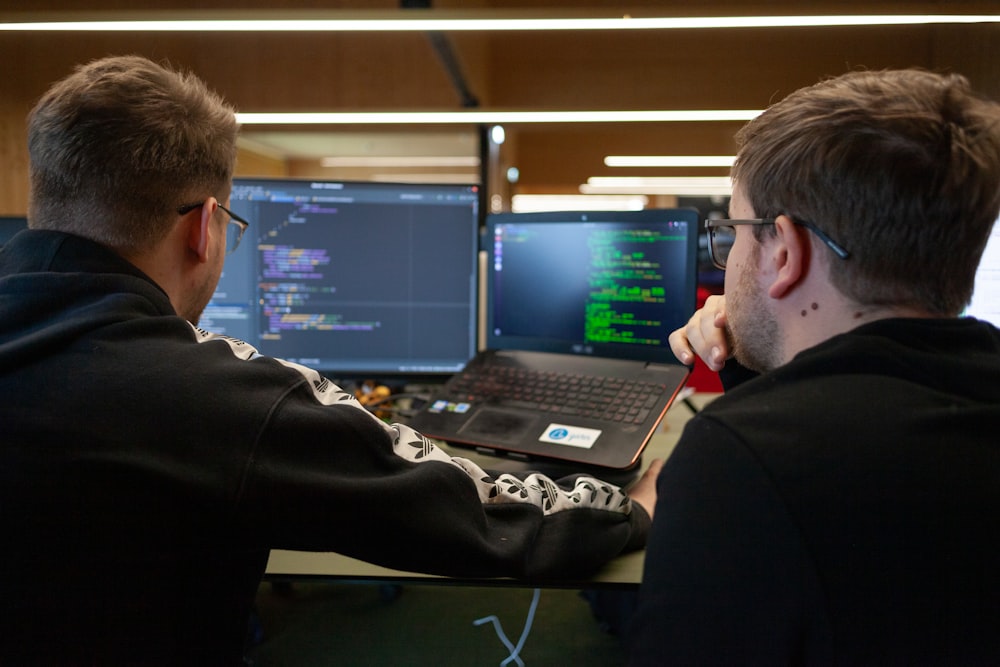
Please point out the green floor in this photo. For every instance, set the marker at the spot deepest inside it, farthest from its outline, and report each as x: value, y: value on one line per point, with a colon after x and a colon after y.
x: 364, y: 624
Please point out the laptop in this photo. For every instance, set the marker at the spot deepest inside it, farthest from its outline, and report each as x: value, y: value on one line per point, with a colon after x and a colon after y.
x: 590, y: 297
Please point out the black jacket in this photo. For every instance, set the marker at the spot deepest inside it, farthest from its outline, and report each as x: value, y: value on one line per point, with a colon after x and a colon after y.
x: 147, y: 467
x: 842, y: 509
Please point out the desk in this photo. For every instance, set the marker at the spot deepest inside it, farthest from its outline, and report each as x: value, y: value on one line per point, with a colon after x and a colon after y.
x: 623, y: 571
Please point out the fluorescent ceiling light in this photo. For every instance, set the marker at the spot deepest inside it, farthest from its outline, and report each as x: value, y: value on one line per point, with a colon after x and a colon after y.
x: 690, y: 185
x: 485, y: 117
x: 401, y: 161
x: 527, y: 203
x: 436, y: 20
x: 425, y: 177
x: 669, y: 160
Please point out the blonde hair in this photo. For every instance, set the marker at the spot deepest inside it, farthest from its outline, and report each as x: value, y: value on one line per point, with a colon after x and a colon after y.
x: 116, y: 147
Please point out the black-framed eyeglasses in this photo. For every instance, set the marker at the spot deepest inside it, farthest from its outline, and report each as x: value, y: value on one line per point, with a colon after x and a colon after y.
x: 234, y: 229
x: 722, y: 235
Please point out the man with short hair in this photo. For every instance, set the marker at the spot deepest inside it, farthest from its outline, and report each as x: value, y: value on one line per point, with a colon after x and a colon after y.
x: 842, y: 507
x: 147, y: 467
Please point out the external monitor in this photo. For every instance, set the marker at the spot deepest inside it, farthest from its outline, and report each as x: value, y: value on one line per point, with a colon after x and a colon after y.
x: 354, y: 279
x: 985, y: 304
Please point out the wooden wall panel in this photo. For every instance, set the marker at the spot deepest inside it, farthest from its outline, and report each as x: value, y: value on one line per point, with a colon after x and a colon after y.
x: 678, y: 69
x: 559, y: 159
x: 699, y: 69
x: 254, y: 163
x: 13, y: 159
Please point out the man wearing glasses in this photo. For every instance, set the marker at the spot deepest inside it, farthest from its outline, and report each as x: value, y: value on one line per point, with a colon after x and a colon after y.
x: 842, y: 507
x: 148, y: 467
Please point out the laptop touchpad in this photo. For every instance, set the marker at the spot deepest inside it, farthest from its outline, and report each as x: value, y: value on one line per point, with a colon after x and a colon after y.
x: 498, y: 425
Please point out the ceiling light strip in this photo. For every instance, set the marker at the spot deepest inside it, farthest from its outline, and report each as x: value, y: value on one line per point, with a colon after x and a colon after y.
x: 655, y: 180
x: 432, y: 23
x: 491, y: 117
x: 686, y: 185
x: 528, y: 203
x: 401, y: 161
x: 669, y: 160
x: 470, y: 178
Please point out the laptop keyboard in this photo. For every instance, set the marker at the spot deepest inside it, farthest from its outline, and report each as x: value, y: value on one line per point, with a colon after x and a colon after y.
x: 569, y: 394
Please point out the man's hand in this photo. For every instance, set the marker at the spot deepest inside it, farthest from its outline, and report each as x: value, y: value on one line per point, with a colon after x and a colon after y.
x: 704, y: 335
x: 644, y: 490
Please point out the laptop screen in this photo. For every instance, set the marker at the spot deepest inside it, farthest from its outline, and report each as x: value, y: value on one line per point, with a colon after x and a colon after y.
x: 603, y: 283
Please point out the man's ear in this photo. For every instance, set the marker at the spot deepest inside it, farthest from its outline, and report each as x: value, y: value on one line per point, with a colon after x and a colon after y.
x: 199, y: 228
x: 791, y: 256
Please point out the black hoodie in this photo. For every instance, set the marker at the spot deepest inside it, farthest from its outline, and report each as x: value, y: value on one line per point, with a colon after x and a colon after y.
x: 841, y: 509
x: 147, y: 467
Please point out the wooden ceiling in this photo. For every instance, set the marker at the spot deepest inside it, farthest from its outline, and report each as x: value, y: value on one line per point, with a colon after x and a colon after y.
x: 574, y: 70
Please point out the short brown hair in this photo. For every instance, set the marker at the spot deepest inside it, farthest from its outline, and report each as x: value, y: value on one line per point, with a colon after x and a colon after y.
x: 901, y: 167
x: 116, y: 147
